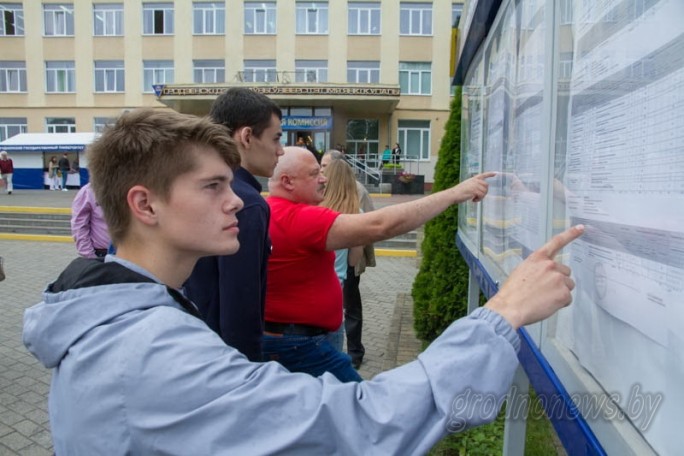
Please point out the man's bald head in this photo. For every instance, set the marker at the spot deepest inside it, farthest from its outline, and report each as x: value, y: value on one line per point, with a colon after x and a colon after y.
x: 297, y: 177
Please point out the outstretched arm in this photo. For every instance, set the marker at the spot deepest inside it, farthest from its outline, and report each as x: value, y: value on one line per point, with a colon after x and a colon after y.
x: 360, y: 229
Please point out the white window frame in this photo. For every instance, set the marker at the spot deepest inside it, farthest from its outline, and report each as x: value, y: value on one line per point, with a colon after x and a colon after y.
x: 60, y: 127
x: 109, y: 76
x: 260, y: 18
x: 150, y: 17
x: 99, y: 123
x: 415, y: 74
x: 363, y: 71
x: 12, y: 13
x: 566, y: 14
x: 209, y: 18
x: 311, y: 71
x: 364, y: 18
x: 12, y: 76
x: 110, y: 17
x: 260, y: 71
x: 415, y: 19
x: 208, y: 71
x: 60, y: 76
x: 12, y: 126
x: 157, y: 72
x: 58, y: 19
x: 404, y: 131
x: 312, y: 18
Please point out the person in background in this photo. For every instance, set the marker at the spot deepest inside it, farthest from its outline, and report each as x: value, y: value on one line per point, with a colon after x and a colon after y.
x: 396, y: 153
x: 341, y: 196
x: 6, y: 171
x: 230, y: 290
x: 386, y: 155
x: 353, y: 305
x: 64, y: 168
x: 88, y: 225
x: 136, y: 371
x: 53, y: 177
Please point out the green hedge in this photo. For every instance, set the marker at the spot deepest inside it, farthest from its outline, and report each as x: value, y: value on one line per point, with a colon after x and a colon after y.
x: 440, y: 290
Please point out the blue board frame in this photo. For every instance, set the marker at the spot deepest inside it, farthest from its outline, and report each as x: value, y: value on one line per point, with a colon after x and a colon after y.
x: 572, y: 429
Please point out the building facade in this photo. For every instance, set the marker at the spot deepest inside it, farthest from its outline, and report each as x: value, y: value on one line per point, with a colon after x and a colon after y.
x: 358, y: 74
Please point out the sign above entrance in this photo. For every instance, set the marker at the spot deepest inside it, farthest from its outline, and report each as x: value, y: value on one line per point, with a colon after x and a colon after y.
x: 306, y: 123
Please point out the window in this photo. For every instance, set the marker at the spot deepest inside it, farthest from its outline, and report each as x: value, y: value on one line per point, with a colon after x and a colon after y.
x: 99, y: 123
x: 415, y: 19
x: 259, y: 71
x: 415, y: 78
x: 108, y: 19
x: 208, y: 71
x: 157, y: 19
x: 59, y: 19
x: 456, y: 11
x: 363, y: 72
x: 311, y: 71
x: 414, y: 138
x: 156, y: 72
x: 565, y: 65
x: 260, y: 18
x: 61, y: 76
x: 208, y: 18
x: 12, y: 19
x: 10, y: 126
x: 363, y: 138
x: 60, y: 124
x: 312, y: 18
x: 364, y: 18
x: 566, y: 12
x: 12, y: 76
x: 109, y: 76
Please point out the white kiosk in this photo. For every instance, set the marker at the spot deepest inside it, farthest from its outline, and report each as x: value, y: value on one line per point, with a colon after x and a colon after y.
x: 31, y: 153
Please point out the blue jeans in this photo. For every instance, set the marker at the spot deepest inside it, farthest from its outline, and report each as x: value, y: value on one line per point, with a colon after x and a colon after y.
x: 65, y: 174
x: 336, y: 338
x: 311, y: 355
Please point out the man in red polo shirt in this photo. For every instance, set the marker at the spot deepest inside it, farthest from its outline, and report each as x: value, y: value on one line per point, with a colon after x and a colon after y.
x: 303, y: 295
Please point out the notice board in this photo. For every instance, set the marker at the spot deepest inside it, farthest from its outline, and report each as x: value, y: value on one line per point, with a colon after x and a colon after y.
x: 580, y: 107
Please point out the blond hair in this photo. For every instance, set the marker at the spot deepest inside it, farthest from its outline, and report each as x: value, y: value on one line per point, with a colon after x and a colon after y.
x: 341, y: 194
x: 149, y: 148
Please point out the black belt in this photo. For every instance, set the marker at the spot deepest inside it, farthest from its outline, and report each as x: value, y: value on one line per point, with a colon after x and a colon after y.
x: 293, y: 329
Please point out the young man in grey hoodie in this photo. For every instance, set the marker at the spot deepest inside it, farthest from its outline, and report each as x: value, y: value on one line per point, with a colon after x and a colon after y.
x: 137, y: 372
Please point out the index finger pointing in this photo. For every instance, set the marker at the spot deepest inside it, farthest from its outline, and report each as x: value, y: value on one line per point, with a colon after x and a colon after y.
x: 487, y: 175
x: 556, y: 243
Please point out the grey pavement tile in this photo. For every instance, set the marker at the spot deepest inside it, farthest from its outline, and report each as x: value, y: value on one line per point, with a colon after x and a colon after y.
x: 27, y: 428
x: 35, y: 450
x: 10, y: 418
x: 15, y: 441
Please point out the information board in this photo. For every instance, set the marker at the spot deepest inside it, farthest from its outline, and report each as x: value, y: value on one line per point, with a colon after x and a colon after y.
x: 580, y: 107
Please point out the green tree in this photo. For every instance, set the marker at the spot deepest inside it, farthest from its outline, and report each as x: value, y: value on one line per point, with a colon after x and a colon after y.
x: 440, y: 290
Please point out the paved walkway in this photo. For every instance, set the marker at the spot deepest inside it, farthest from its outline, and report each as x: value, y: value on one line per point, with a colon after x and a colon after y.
x: 24, y: 383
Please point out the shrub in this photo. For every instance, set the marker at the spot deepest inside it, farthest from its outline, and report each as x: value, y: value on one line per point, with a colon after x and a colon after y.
x: 440, y: 290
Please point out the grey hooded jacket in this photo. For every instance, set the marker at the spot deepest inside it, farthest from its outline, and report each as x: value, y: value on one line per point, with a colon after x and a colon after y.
x: 134, y: 373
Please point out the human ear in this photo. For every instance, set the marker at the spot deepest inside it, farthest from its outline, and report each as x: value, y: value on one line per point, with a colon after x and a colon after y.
x: 141, y: 204
x: 244, y: 136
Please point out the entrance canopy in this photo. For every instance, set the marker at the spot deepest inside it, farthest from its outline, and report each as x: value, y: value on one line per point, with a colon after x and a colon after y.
x: 367, y: 99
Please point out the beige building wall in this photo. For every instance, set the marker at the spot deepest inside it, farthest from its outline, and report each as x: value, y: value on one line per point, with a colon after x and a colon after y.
x: 285, y: 47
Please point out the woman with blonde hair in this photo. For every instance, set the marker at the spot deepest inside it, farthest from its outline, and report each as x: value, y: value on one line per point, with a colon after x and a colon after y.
x: 341, y: 196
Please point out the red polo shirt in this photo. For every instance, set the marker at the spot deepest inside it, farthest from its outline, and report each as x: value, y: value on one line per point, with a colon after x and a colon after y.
x: 302, y: 285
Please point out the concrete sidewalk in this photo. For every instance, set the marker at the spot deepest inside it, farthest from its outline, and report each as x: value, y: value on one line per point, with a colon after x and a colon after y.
x: 30, y: 266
